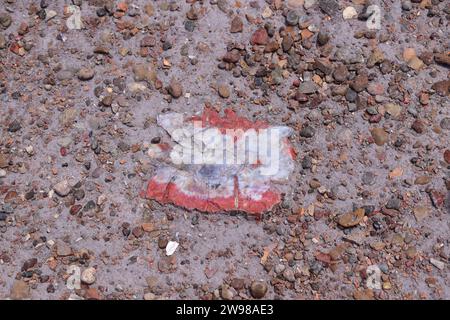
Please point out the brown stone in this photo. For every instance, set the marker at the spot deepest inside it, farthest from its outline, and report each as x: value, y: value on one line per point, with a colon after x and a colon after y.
x: 238, y: 283
x: 418, y: 126
x: 366, y: 294
x: 379, y: 136
x: 376, y: 58
x: 232, y: 56
x: 420, y: 212
x: 422, y: 180
x: 408, y: 54
x: 259, y: 37
x: 442, y: 58
x: 447, y: 156
x: 143, y: 72
x: 86, y: 74
x: 272, y: 46
x: 236, y: 25
x: 415, y: 63
x: 63, y: 250
x: 92, y: 294
x: 4, y: 161
x: 224, y: 91
x: 340, y: 73
x: 138, y: 232
x: 20, y: 290
x: 175, y: 89
x: 148, y: 227
x: 323, y: 65
x: 411, y: 252
x: 287, y: 42
x: 351, y: 219
x: 149, y: 10
x: 442, y: 87
x: 360, y: 83
x: 258, y: 289
x: 377, y: 246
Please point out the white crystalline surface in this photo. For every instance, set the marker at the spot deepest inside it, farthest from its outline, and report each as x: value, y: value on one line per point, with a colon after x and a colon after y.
x: 222, y: 163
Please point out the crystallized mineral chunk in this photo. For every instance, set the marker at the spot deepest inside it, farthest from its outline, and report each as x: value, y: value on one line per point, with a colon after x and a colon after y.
x: 222, y: 163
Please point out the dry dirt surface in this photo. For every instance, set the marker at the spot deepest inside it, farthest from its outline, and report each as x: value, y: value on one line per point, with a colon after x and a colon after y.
x: 365, y: 214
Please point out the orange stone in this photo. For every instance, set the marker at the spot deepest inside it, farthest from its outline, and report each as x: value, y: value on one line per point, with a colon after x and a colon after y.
x: 122, y: 6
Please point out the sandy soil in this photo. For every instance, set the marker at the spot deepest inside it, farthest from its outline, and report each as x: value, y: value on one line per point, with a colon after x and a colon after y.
x: 62, y: 124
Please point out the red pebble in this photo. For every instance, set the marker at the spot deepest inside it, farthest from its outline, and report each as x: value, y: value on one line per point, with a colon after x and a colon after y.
x: 447, y: 156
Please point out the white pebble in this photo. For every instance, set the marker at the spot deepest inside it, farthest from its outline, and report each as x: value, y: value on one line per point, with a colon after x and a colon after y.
x: 349, y: 13
x: 438, y: 264
x: 2, y: 173
x: 101, y: 199
x: 171, y: 247
x: 29, y: 150
x: 62, y: 188
x: 88, y: 276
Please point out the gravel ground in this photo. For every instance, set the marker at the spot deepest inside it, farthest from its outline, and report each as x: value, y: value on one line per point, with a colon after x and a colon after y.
x: 81, y: 85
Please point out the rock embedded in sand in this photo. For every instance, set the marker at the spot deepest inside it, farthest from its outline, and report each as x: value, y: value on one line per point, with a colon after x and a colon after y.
x: 14, y: 126
x: 445, y: 123
x: 410, y: 57
x: 62, y: 188
x: 330, y: 7
x: 226, y: 293
x: 28, y: 264
x: 20, y: 290
x: 406, y: 5
x: 294, y: 4
x: 349, y: 13
x: 442, y: 87
x: 393, y: 109
x: 340, y: 73
x: 291, y: 18
x: 144, y: 72
x: 351, y: 219
x: 74, y: 21
x: 63, y: 250
x: 175, y: 89
x: 259, y: 37
x: 258, y: 289
x: 88, y: 276
x: 437, y: 263
x: 85, y: 74
x: 307, y: 132
x: 359, y: 83
x: 5, y: 20
x: 236, y: 25
x: 447, y: 156
x: 380, y: 136
x: 442, y: 58
x: 4, y: 161
x: 422, y: 180
x: 418, y: 126
x: 224, y: 91
x: 420, y: 212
